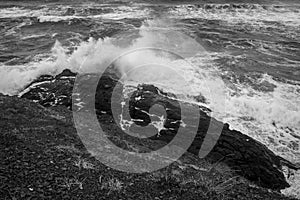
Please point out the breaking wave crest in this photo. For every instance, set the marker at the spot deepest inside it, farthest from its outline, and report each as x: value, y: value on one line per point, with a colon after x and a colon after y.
x: 270, y: 115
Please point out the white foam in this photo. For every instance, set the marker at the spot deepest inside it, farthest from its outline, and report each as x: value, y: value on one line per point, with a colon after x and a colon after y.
x: 17, y: 12
x: 55, y: 18
x: 293, y: 191
x: 284, y: 15
x: 57, y: 14
x: 270, y: 117
x: 94, y: 56
x: 14, y: 78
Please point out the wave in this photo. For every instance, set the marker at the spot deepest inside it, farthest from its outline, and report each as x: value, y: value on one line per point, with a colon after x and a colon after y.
x: 94, y: 55
x: 240, y: 13
x: 233, y: 6
x: 194, y: 64
x: 279, y: 106
x: 244, y: 6
x: 271, y: 116
x: 65, y: 13
x: 21, y: 12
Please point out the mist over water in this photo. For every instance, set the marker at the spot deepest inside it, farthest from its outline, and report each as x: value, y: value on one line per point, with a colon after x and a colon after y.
x: 245, y: 51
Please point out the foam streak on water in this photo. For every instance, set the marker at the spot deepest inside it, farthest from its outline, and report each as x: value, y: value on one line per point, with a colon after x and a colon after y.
x: 251, y: 50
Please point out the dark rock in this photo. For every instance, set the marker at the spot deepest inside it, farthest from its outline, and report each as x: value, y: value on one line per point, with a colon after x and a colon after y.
x: 43, y: 158
x: 52, y: 91
x: 243, y: 154
x: 247, y: 156
x: 66, y: 73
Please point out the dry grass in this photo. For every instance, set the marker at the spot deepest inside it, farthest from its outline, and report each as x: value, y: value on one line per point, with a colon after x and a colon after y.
x: 213, y: 179
x: 111, y: 184
x: 82, y: 163
x: 70, y: 183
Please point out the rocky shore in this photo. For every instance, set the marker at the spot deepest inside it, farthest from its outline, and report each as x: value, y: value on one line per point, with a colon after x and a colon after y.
x: 43, y: 157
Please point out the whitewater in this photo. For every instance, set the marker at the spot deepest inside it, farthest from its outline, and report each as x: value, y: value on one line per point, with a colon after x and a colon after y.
x: 242, y: 58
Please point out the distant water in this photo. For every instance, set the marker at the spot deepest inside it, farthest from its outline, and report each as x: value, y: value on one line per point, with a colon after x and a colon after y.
x: 253, y: 49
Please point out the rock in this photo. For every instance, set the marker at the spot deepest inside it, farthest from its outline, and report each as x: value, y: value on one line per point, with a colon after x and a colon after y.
x: 41, y: 155
x: 240, y: 152
x: 51, y: 91
x: 243, y: 154
x: 66, y: 73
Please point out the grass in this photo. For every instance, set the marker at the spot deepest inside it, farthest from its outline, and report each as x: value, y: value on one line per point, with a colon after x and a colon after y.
x: 83, y: 163
x: 71, y: 183
x: 111, y: 184
x: 43, y: 161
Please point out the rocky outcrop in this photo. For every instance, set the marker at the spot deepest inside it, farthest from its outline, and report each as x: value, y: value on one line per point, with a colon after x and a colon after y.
x: 244, y: 155
x: 50, y: 90
x: 43, y: 158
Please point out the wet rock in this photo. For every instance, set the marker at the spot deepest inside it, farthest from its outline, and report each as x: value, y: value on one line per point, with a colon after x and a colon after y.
x: 66, y: 73
x: 240, y: 152
x: 51, y: 91
x: 243, y: 154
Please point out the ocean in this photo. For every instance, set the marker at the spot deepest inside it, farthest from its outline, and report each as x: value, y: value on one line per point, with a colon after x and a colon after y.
x: 243, y: 56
